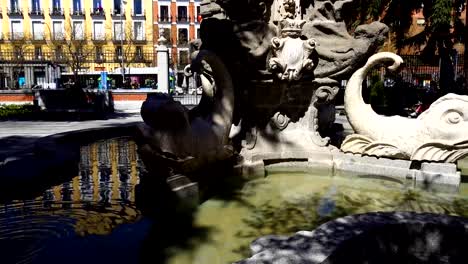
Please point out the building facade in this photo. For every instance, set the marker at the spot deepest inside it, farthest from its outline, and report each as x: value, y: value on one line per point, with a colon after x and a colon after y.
x: 40, y: 40
x: 179, y: 22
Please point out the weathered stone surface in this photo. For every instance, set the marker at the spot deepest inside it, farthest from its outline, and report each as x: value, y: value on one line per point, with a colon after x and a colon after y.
x: 282, y: 110
x: 186, y: 140
x: 438, y: 134
x: 392, y: 237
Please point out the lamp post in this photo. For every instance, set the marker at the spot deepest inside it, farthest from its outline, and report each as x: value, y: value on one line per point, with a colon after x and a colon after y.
x: 122, y: 12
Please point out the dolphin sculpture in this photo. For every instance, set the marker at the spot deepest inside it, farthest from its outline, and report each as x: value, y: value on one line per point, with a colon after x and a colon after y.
x: 438, y: 134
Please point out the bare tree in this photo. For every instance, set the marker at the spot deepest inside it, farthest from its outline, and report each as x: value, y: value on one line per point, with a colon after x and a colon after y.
x: 72, y: 48
x: 131, y: 52
x: 22, y: 50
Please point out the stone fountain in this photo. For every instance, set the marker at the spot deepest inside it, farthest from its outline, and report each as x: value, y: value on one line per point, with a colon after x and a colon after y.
x: 270, y: 70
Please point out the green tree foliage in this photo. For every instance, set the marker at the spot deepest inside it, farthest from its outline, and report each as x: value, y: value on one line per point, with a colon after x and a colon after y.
x: 442, y: 26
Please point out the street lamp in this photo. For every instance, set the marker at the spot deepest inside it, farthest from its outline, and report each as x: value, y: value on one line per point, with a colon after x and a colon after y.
x: 122, y: 12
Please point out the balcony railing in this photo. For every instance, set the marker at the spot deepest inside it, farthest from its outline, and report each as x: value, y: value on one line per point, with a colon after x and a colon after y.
x: 116, y: 13
x: 142, y: 13
x: 36, y: 12
x: 139, y: 38
x: 64, y: 57
x: 98, y: 12
x: 56, y: 11
x: 16, y: 36
x: 38, y: 37
x: 77, y: 12
x: 119, y: 38
x: 100, y: 58
x: 99, y: 37
x: 15, y: 12
x: 164, y: 19
x: 58, y: 36
x: 182, y: 19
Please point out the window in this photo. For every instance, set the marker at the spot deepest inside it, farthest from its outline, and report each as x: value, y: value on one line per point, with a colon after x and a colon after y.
x: 199, y: 18
x: 118, y: 52
x: 38, y: 30
x: 164, y: 14
x: 183, y: 57
x: 183, y: 36
x: 118, y: 7
x: 56, y: 7
x: 58, y: 53
x: 57, y: 28
x: 118, y: 31
x: 138, y: 31
x: 18, y: 52
x: 98, y: 30
x: 99, y: 54
x: 78, y: 30
x: 166, y: 33
x: 138, y: 7
x: 15, y: 5
x: 38, y: 53
x: 16, y: 30
x: 77, y: 7
x: 182, y: 13
x: 97, y: 7
x: 35, y: 6
x: 139, y: 53
x: 97, y: 4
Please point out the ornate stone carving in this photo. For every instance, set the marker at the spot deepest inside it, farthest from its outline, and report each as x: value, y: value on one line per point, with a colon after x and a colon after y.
x: 438, y: 134
x: 291, y: 55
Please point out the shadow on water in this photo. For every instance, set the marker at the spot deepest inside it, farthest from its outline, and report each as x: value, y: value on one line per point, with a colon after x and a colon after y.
x: 310, y: 211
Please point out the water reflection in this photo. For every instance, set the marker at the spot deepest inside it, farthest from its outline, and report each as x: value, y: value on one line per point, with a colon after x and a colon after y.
x: 95, y: 202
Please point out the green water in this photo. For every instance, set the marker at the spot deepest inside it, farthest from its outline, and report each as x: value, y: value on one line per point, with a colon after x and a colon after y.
x: 283, y: 204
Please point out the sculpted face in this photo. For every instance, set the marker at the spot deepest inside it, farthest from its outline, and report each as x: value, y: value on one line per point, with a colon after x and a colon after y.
x: 291, y: 57
x: 447, y: 118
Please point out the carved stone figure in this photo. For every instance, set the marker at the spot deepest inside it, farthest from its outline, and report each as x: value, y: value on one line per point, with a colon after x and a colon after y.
x: 438, y: 134
x: 187, y: 140
x: 291, y: 55
x: 340, y: 53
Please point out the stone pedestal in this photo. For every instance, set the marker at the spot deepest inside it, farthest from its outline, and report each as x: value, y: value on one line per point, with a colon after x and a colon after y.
x: 163, y: 66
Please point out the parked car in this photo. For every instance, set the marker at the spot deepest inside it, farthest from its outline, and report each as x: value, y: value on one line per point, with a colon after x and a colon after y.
x: 194, y: 91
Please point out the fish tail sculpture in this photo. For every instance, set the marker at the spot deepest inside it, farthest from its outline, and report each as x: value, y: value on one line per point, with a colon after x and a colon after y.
x: 438, y: 134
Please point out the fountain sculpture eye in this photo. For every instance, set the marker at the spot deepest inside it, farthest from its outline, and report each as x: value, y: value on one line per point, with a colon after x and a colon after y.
x: 453, y: 117
x: 276, y: 42
x: 311, y: 43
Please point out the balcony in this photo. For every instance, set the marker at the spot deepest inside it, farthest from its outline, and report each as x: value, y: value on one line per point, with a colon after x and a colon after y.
x: 38, y: 38
x: 15, y: 12
x: 98, y: 12
x: 139, y: 39
x: 119, y: 39
x: 99, y: 37
x: 58, y: 36
x: 16, y: 36
x: 77, y: 12
x: 56, y: 12
x: 100, y: 58
x: 182, y: 42
x: 164, y: 19
x: 182, y: 19
x: 115, y: 14
x: 141, y: 14
x: 36, y: 12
